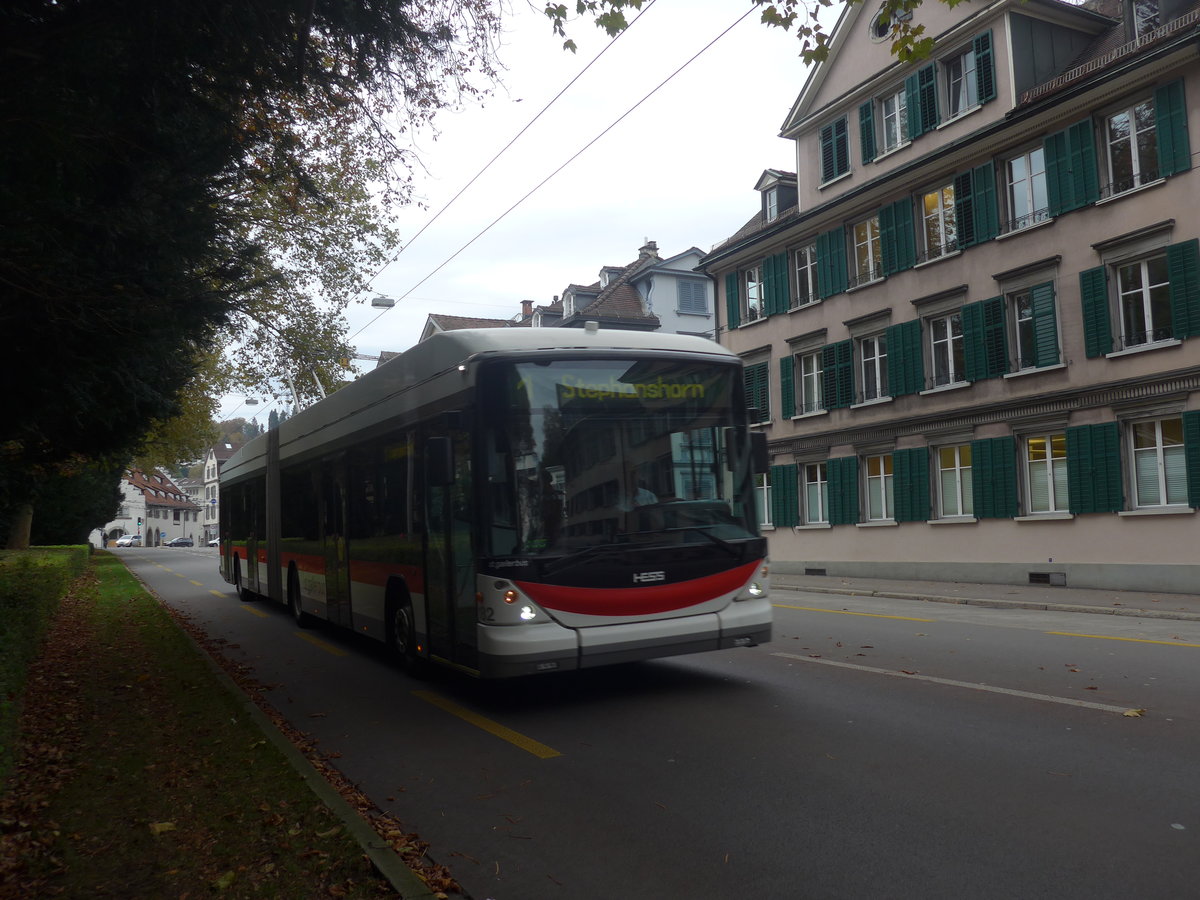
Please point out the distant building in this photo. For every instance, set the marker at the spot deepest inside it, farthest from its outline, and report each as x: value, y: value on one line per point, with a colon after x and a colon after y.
x: 216, y: 457
x: 156, y: 508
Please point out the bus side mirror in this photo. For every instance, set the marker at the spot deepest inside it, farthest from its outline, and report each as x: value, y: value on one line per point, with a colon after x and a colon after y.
x: 439, y: 461
x: 760, y: 459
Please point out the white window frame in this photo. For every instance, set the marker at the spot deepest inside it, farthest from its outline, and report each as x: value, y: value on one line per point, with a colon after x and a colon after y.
x: 762, y: 498
x: 872, y: 368
x: 772, y: 204
x: 810, y: 374
x: 752, y: 289
x: 1020, y: 307
x: 1143, y: 160
x: 1026, y: 192
x: 868, y: 252
x: 939, y: 222
x: 961, y: 82
x: 1044, y: 460
x: 814, y: 492
x: 806, y: 275
x: 1142, y: 300
x: 955, y: 486
x: 946, y: 349
x: 1158, y: 469
x: 880, y: 496
x: 893, y: 114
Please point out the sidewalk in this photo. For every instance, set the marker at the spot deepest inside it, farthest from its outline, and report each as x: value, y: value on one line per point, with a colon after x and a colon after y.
x: 1032, y: 596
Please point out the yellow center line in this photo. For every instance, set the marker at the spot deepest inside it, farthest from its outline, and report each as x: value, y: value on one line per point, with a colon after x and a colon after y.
x: 316, y: 642
x: 256, y: 612
x: 198, y: 583
x: 494, y: 728
x: 845, y: 612
x: 1105, y: 637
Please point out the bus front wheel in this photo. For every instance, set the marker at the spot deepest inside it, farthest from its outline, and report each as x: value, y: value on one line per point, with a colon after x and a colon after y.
x: 402, y: 636
x: 295, y: 602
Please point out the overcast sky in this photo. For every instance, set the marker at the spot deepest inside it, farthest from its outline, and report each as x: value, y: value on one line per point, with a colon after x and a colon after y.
x: 679, y: 170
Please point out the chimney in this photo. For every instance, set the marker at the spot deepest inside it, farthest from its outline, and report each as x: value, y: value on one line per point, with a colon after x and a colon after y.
x: 648, y: 250
x: 526, y: 309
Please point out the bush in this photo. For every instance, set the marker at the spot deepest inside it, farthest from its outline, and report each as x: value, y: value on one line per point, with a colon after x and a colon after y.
x: 32, y: 582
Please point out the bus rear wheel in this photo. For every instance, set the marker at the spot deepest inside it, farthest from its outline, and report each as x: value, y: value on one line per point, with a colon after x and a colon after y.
x: 295, y: 603
x: 244, y: 595
x: 402, y: 637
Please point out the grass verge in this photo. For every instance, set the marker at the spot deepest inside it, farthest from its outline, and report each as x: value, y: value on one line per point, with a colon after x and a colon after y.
x: 137, y: 774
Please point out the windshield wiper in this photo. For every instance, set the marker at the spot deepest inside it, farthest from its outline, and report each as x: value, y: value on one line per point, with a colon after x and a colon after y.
x: 596, y: 551
x: 728, y: 546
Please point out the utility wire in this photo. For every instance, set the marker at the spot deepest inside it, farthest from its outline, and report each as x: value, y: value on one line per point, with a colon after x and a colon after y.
x: 543, y: 182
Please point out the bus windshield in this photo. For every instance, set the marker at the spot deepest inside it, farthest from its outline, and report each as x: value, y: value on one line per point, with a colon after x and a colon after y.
x: 588, y: 452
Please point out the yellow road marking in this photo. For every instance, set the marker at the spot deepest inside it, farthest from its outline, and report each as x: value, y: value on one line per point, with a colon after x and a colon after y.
x: 316, y: 642
x: 198, y: 583
x: 844, y: 612
x: 494, y: 728
x: 1105, y: 637
x: 255, y: 612
x: 219, y: 593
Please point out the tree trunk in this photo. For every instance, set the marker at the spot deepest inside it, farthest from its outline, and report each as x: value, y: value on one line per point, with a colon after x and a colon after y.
x: 22, y: 521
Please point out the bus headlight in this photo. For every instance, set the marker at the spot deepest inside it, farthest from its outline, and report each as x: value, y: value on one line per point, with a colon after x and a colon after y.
x: 755, y: 590
x: 528, y: 614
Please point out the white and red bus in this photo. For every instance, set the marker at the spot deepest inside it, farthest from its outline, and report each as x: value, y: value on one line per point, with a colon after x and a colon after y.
x: 510, y: 501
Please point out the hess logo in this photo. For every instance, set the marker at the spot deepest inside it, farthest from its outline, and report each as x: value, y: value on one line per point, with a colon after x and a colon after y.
x: 644, y: 577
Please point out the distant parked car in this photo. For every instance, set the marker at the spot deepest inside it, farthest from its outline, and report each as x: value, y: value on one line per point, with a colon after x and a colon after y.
x: 215, y: 542
x: 129, y: 540
x: 181, y: 542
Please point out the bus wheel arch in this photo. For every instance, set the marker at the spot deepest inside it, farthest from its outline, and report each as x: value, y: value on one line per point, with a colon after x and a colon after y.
x: 295, y: 601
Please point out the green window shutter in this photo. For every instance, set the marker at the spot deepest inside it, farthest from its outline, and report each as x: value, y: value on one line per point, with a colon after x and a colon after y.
x: 1072, y: 179
x: 910, y: 486
x: 1094, y: 468
x: 831, y: 263
x: 835, y: 151
x: 985, y: 213
x: 866, y: 130
x: 985, y: 343
x: 927, y: 87
x: 896, y: 236
x: 733, y: 306
x: 985, y: 67
x: 1183, y: 272
x: 964, y: 207
x: 776, y: 287
x: 906, y: 369
x: 1084, y: 173
x: 787, y: 388
x: 843, y: 490
x: 994, y: 477
x: 1045, y: 324
x: 1170, y: 126
x: 912, y: 105
x: 1191, y: 449
x: 1097, y: 326
x: 758, y: 392
x: 785, y: 495
x: 837, y: 379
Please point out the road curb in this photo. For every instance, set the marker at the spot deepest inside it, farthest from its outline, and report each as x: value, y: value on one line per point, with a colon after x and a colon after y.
x: 1179, y: 615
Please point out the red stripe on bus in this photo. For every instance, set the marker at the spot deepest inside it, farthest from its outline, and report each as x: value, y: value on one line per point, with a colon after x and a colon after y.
x: 637, y: 601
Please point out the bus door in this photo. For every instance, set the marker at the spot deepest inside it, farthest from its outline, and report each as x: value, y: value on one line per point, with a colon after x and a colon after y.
x: 333, y: 536
x: 449, y: 560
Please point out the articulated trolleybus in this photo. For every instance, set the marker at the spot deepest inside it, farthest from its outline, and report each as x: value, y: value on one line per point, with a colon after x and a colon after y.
x: 510, y: 501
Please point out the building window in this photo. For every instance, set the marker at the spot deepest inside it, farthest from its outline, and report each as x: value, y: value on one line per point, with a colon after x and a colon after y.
x: 753, y: 284
x: 962, y: 87
x: 692, y: 296
x: 772, y: 204
x: 1046, y: 473
x: 873, y: 353
x: 1159, y: 464
x: 812, y: 375
x: 1145, y: 301
x: 816, y: 493
x: 880, y: 499
x: 1145, y: 16
x: 1028, y: 202
x: 762, y: 498
x: 1132, y: 143
x: 946, y: 349
x: 806, y: 276
x: 835, y: 150
x: 939, y: 222
x: 954, y: 481
x: 868, y: 256
x: 894, y: 113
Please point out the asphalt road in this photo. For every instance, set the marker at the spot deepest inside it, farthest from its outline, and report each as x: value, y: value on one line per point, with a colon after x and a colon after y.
x: 875, y: 749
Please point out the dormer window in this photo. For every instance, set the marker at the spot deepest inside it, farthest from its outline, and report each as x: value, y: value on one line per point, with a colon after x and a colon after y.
x: 771, y: 198
x: 569, y: 302
x: 1145, y: 16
